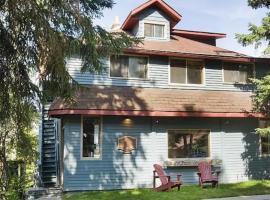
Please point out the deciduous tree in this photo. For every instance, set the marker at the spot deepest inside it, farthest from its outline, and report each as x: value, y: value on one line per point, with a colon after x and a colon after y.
x: 257, y: 35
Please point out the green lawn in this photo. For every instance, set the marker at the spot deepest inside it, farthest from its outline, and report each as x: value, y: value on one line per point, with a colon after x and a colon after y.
x: 186, y: 193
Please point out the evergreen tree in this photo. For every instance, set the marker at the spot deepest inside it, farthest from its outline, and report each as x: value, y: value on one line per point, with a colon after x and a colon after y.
x: 35, y: 38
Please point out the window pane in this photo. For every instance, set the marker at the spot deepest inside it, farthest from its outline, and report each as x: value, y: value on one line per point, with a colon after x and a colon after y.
x: 148, y: 30
x: 137, y: 67
x: 194, y: 72
x: 188, y: 144
x: 231, y: 72
x: 265, y: 145
x: 119, y: 66
x: 245, y: 72
x: 237, y: 73
x: 91, y: 137
x: 159, y: 30
x: 178, y: 71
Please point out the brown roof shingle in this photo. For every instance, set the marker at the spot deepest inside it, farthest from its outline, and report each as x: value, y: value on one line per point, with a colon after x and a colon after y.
x: 156, y: 100
x: 178, y: 45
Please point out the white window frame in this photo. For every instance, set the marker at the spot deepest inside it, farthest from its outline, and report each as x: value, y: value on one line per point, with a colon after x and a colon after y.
x: 186, y: 84
x: 100, y: 142
x: 260, y: 148
x: 240, y: 83
x: 154, y: 26
x: 165, y: 33
x: 181, y: 159
x: 131, y: 78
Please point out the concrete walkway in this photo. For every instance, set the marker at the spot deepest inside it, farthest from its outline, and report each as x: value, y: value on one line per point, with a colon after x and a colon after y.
x: 50, y: 197
x: 257, y: 197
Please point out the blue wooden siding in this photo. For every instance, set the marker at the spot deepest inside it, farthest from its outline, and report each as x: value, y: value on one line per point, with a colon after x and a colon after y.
x: 154, y: 16
x: 233, y: 141
x: 158, y: 76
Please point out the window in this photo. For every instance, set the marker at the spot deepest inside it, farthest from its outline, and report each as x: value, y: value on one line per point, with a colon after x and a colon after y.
x: 154, y: 30
x: 91, y: 137
x: 188, y: 143
x: 128, y: 67
x: 264, y: 140
x: 186, y: 71
x: 265, y: 145
x: 237, y: 72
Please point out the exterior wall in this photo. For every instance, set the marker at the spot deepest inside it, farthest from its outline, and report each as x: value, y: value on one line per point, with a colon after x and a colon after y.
x: 232, y: 141
x: 154, y: 16
x: 158, y: 76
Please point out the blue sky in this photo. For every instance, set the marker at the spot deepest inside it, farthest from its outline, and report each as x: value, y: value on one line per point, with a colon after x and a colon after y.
x: 230, y: 17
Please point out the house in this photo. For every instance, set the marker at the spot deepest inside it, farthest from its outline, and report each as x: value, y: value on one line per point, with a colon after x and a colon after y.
x: 175, y: 100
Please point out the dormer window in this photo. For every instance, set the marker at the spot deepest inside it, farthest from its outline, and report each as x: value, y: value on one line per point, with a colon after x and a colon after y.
x: 153, y: 30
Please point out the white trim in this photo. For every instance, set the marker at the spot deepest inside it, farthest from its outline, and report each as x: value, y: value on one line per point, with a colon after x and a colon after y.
x: 187, y: 84
x: 165, y: 30
x: 199, y: 158
x: 260, y: 147
x: 100, y: 143
x: 131, y: 78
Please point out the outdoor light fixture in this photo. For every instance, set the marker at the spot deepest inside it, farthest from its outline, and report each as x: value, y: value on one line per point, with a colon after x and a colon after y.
x: 127, y: 122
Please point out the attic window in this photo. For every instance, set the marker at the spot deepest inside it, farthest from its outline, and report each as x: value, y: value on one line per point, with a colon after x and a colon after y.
x: 154, y: 30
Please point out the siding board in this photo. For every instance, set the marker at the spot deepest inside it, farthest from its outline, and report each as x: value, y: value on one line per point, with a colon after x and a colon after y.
x: 230, y: 140
x: 158, y: 76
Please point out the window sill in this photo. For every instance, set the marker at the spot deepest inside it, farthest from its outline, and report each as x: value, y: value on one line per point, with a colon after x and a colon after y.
x: 184, y: 162
x: 188, y: 85
x: 138, y: 79
x: 91, y: 158
x: 156, y: 38
x: 264, y: 155
x: 236, y: 83
x: 190, y: 162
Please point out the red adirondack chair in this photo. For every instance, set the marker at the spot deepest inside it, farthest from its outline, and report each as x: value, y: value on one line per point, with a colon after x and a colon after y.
x: 166, y: 183
x: 206, y: 175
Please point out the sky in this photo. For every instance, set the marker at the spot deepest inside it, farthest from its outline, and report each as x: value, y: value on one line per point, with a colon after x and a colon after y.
x: 224, y: 16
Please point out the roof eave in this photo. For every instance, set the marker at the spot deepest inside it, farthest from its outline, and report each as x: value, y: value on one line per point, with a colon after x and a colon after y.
x: 188, y: 55
x: 58, y: 113
x: 173, y: 14
x: 199, y: 34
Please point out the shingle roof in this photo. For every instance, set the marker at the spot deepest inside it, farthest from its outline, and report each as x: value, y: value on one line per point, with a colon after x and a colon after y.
x: 132, y: 17
x: 164, y: 102
x: 182, y: 46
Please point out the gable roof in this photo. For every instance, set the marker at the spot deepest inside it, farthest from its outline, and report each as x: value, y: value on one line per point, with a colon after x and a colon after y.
x: 129, y: 101
x: 132, y: 17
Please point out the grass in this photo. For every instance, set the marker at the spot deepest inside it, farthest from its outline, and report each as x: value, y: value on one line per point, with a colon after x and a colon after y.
x: 186, y: 192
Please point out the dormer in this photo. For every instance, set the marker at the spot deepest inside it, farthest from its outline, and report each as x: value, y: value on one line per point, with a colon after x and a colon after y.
x: 156, y: 20
x: 153, y: 20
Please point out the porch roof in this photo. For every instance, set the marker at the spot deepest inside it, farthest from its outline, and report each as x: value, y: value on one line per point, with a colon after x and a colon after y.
x: 129, y: 101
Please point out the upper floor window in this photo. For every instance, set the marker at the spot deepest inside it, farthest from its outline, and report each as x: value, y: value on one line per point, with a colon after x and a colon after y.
x: 186, y: 71
x: 188, y: 143
x: 154, y: 30
x: 237, y: 72
x: 128, y: 66
x: 91, y: 137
